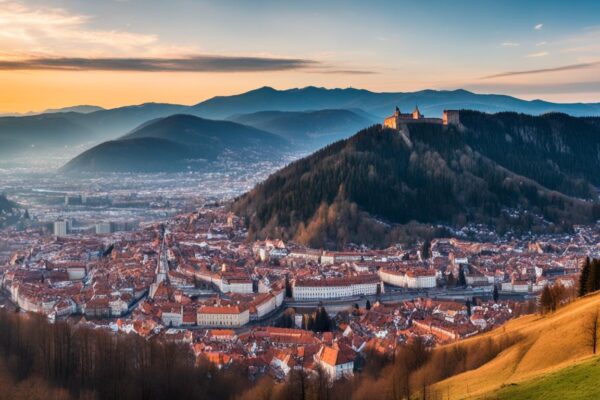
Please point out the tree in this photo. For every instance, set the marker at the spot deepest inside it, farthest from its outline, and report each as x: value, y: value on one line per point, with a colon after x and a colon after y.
x: 584, y: 276
x: 287, y: 319
x: 468, y: 304
x: 462, y: 280
x: 593, y: 279
x: 546, y: 300
x: 590, y: 285
x: 591, y: 330
x: 368, y: 305
x: 426, y: 249
x: 288, y: 287
x: 450, y: 280
x: 322, y: 323
x: 495, y: 294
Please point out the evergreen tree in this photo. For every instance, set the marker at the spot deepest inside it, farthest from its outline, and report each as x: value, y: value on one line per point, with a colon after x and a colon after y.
x: 495, y: 294
x: 546, y: 300
x: 368, y: 305
x: 468, y: 304
x: 288, y: 287
x: 584, y: 276
x: 326, y: 323
x: 593, y: 280
x: 462, y: 280
x: 426, y: 249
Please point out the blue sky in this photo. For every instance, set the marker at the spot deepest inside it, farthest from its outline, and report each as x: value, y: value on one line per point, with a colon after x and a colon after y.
x: 545, y: 49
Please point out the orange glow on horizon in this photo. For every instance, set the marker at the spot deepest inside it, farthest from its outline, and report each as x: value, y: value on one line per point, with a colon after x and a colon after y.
x: 25, y: 91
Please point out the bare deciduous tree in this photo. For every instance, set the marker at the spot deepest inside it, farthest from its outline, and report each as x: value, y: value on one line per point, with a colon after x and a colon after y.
x: 591, y: 329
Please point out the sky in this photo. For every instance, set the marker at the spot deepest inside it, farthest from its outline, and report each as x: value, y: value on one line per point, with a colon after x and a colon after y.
x: 118, y: 52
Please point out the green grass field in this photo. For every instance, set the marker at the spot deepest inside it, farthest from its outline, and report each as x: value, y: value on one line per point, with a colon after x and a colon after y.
x: 581, y: 381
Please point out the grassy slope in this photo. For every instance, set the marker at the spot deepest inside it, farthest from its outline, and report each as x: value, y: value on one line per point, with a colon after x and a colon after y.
x: 578, y: 382
x: 547, y: 344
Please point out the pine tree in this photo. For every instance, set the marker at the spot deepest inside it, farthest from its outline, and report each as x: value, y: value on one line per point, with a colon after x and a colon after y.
x: 468, y: 304
x: 546, y: 300
x: 368, y: 305
x: 288, y: 287
x: 495, y: 294
x: 593, y: 279
x: 325, y: 320
x: 462, y: 280
x: 426, y: 250
x: 584, y: 276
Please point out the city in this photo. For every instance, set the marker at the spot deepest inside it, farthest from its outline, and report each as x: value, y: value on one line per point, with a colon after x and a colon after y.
x: 195, y: 279
x: 316, y: 200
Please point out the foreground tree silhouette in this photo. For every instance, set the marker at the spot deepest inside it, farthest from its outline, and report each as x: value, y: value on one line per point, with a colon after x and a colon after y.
x: 584, y: 276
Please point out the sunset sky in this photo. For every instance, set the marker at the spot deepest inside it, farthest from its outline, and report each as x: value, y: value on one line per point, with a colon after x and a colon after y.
x: 117, y: 52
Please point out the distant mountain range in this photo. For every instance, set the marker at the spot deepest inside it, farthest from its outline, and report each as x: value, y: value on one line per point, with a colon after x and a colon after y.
x: 313, y: 128
x: 176, y: 143
x: 81, y: 125
x: 84, y: 109
x: 430, y: 102
x: 507, y: 171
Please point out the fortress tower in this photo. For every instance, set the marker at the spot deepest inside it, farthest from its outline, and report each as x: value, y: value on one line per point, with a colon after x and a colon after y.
x: 416, y: 114
x: 451, y: 117
x: 398, y: 119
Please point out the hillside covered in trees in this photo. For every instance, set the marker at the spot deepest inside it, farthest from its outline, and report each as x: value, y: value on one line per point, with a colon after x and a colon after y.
x: 508, y: 171
x: 177, y: 143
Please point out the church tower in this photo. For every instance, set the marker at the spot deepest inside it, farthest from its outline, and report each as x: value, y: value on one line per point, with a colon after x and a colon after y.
x: 416, y: 114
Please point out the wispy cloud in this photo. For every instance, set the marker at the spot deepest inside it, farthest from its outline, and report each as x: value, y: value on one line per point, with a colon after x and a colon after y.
x: 544, y: 70
x: 509, y: 44
x: 198, y: 63
x: 537, y: 54
x: 52, y: 38
x: 343, y: 71
x: 541, y: 43
x: 55, y: 31
x: 538, y: 27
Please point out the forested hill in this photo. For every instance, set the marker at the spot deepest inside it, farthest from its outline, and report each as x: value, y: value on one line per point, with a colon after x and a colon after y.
x: 177, y: 143
x: 487, y: 171
x: 559, y: 151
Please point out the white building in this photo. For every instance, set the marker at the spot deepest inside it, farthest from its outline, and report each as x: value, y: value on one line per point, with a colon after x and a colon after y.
x: 236, y: 285
x: 103, y: 228
x: 335, y: 363
x: 222, y: 316
x: 414, y: 279
x: 61, y: 228
x: 315, y: 289
x: 119, y: 307
x: 172, y: 316
x: 516, y: 286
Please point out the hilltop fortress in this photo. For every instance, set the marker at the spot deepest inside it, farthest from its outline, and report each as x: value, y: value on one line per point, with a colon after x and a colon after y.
x: 398, y: 119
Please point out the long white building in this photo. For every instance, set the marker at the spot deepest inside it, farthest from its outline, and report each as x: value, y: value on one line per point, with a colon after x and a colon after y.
x: 222, y: 316
x: 331, y: 288
x: 414, y: 279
